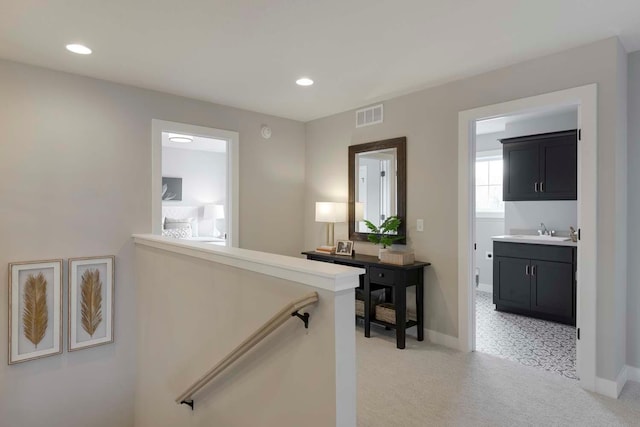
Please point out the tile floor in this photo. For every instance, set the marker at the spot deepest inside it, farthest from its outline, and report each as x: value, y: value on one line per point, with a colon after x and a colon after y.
x: 531, y: 342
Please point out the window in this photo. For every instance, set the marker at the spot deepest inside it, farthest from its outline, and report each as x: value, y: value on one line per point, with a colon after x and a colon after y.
x: 489, y: 185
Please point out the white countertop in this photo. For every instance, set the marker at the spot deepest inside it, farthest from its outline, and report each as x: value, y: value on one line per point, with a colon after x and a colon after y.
x: 535, y: 240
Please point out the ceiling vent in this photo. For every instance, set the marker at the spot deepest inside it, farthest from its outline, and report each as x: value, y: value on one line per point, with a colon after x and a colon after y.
x: 369, y: 116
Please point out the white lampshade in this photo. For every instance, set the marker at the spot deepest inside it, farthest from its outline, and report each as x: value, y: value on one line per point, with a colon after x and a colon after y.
x: 331, y: 212
x: 359, y: 211
x: 213, y: 212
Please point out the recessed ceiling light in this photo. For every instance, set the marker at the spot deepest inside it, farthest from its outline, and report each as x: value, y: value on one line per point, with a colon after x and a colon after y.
x: 79, y: 49
x: 304, y: 81
x: 181, y: 139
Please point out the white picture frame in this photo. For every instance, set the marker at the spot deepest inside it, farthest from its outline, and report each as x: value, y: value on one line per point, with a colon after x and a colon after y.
x: 35, y: 310
x: 90, y: 317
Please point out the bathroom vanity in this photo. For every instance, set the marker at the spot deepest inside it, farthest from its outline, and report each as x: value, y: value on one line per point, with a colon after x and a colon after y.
x: 535, y: 276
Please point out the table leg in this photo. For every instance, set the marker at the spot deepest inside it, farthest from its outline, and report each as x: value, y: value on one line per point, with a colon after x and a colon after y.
x: 420, y: 305
x: 401, y: 314
x: 367, y: 306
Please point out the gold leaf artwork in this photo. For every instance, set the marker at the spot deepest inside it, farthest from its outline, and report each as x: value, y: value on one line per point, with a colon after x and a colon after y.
x: 91, y: 305
x: 35, y: 316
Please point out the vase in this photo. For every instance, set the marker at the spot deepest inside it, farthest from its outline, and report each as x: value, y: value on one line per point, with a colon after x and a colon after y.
x: 381, y: 251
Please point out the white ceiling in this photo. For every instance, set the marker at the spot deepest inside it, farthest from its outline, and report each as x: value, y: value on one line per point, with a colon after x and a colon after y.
x: 248, y: 53
x: 198, y: 144
x: 499, y: 124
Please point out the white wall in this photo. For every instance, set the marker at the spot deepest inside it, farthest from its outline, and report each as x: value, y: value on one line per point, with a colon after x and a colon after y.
x: 633, y: 291
x: 75, y: 170
x: 621, y: 205
x: 557, y: 215
x: 429, y: 120
x: 485, y: 229
x: 489, y: 142
x: 203, y: 175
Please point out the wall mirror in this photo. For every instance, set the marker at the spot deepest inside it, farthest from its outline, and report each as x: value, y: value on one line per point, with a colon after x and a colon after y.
x: 377, y: 185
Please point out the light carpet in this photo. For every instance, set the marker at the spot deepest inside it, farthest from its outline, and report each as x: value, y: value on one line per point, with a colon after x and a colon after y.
x: 430, y: 385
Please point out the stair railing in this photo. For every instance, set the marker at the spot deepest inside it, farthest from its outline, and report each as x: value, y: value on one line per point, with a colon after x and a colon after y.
x: 290, y: 310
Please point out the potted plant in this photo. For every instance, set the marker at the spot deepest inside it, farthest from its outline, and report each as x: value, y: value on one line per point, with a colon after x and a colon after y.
x: 382, y: 235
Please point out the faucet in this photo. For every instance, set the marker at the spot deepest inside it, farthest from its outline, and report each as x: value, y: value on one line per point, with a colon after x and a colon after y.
x: 544, y: 231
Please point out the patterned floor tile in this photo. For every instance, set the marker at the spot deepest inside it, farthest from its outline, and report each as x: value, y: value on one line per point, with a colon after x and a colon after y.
x: 531, y: 342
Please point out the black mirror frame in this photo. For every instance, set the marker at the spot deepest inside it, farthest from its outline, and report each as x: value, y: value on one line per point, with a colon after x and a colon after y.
x: 400, y: 144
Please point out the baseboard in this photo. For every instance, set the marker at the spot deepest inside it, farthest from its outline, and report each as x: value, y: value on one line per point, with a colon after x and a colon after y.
x: 485, y: 287
x: 611, y: 388
x: 441, y: 339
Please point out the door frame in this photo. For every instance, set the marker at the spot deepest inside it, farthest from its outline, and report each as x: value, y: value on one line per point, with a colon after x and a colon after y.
x: 233, y: 172
x: 585, y: 98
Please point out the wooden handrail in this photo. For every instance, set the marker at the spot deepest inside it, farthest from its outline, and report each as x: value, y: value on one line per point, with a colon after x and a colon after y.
x: 271, y: 325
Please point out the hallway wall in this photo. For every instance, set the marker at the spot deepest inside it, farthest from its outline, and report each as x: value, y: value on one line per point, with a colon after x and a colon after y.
x: 429, y: 120
x: 75, y: 169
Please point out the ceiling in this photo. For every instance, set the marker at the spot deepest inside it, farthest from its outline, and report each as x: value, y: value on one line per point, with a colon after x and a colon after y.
x: 248, y: 54
x: 199, y: 143
x: 499, y: 124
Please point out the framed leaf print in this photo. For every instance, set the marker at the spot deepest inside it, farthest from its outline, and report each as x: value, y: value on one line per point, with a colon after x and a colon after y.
x: 91, y: 293
x: 35, y: 310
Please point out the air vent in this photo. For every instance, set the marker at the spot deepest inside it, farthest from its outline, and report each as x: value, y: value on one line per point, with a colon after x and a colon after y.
x: 369, y: 116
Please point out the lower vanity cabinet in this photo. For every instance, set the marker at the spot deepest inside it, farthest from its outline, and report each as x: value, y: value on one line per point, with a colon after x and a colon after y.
x: 535, y: 280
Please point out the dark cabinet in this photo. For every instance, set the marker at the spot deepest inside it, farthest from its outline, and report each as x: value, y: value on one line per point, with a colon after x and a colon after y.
x: 541, y: 167
x: 521, y: 171
x: 514, y: 283
x: 535, y: 280
x: 551, y: 288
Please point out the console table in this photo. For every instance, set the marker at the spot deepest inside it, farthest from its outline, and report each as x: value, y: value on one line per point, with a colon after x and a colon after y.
x: 394, y: 279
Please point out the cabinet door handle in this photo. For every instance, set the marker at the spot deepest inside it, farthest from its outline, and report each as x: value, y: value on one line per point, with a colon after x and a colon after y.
x: 380, y: 274
x: 526, y: 270
x: 533, y: 270
x: 542, y: 187
x: 535, y: 187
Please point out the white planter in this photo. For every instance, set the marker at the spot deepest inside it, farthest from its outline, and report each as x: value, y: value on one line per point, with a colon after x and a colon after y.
x: 381, y: 250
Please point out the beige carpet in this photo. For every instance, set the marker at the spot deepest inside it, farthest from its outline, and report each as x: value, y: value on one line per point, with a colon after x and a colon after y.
x: 429, y: 385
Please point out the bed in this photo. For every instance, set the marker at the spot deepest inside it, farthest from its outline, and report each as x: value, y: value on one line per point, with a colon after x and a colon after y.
x: 187, y: 223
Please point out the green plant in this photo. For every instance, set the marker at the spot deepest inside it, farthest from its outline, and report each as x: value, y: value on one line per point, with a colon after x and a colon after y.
x: 382, y: 235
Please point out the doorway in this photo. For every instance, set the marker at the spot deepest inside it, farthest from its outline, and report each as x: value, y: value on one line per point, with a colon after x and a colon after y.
x: 526, y: 315
x: 584, y: 99
x: 195, y: 183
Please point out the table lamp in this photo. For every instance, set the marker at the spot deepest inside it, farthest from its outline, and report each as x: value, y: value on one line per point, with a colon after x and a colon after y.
x: 331, y: 212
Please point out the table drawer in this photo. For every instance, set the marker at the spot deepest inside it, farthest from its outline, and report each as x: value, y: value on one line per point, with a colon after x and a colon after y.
x: 383, y: 276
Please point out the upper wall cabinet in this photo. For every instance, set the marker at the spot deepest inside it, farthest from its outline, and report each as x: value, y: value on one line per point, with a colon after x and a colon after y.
x: 541, y: 167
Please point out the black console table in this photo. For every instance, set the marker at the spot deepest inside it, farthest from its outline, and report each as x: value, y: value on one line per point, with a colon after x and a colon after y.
x: 394, y: 279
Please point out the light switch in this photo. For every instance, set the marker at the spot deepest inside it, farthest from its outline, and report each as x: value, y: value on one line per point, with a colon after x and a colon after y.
x: 420, y: 225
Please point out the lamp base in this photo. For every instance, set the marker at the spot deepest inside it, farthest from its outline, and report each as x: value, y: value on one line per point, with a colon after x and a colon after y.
x: 330, y: 230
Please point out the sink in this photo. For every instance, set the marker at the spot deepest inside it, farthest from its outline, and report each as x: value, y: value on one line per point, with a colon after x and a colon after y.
x: 542, y: 238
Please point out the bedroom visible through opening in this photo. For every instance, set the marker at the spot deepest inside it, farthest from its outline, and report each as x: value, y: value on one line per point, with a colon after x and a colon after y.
x: 194, y: 188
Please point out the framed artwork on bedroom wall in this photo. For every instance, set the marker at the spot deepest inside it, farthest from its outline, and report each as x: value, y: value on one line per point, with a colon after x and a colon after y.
x: 91, y: 302
x: 171, y: 189
x: 35, y: 310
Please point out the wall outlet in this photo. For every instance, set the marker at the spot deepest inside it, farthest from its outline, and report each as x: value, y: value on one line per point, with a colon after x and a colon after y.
x: 488, y: 255
x: 420, y: 225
